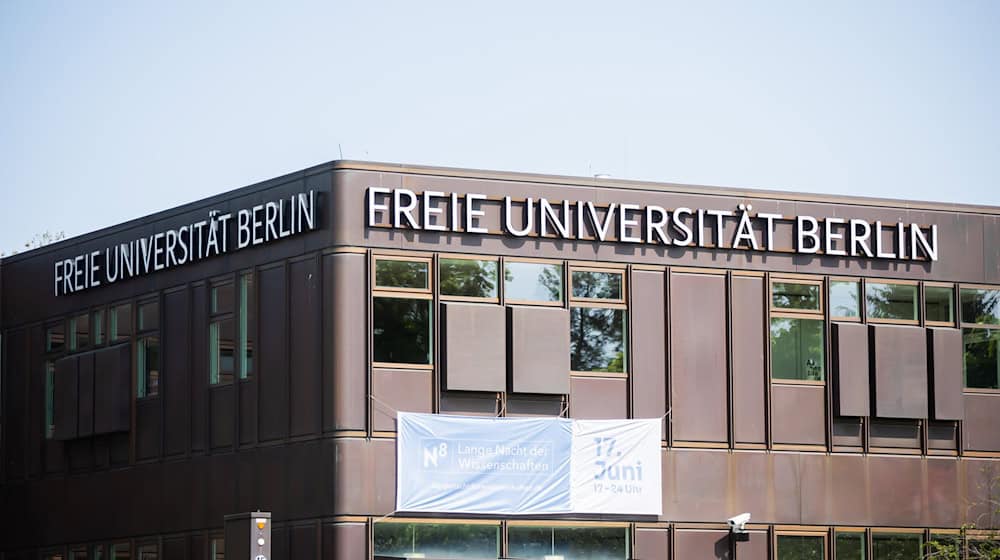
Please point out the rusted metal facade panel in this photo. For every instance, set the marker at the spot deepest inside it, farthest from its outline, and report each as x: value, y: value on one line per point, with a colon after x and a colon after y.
x: 596, y: 398
x: 798, y: 414
x: 945, y: 354
x: 649, y: 339
x: 899, y: 369
x: 850, y: 365
x: 474, y: 349
x: 982, y: 416
x: 539, y: 353
x: 749, y: 373
x: 698, y: 380
x: 399, y: 390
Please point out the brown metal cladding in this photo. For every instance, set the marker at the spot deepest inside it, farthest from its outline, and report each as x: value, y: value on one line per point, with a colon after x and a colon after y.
x: 221, y: 406
x: 305, y: 347
x: 598, y: 398
x: 798, y: 414
x: 85, y: 396
x: 945, y: 359
x: 539, y: 350
x: 848, y: 432
x: 345, y: 540
x: 400, y: 390
x: 648, y: 350
x: 991, y: 256
x: 112, y: 389
x: 272, y: 372
x: 749, y: 383
x: 65, y: 399
x: 894, y: 433
x: 347, y: 340
x: 148, y: 428
x: 703, y: 544
x: 474, y: 352
x: 698, y: 358
x: 899, y: 361
x: 850, y: 368
x: 982, y: 417
x: 176, y: 367
x: 199, y: 368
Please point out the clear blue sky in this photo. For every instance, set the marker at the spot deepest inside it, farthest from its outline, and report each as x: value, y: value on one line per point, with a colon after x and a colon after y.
x: 114, y: 110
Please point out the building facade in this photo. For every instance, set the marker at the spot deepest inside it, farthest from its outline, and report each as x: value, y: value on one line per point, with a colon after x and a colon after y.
x: 827, y: 364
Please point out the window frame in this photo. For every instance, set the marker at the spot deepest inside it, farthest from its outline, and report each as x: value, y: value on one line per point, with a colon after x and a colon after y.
x: 530, y: 302
x: 954, y: 306
x: 246, y: 331
x: 791, y: 531
x: 465, y: 257
x: 894, y: 282
x: 139, y: 337
x: 842, y: 318
x: 620, y: 303
x: 427, y: 294
x: 217, y: 318
x: 894, y: 531
x: 113, y: 312
x: 797, y: 314
x: 572, y: 524
x: 849, y: 530
x: 501, y: 531
x: 963, y: 325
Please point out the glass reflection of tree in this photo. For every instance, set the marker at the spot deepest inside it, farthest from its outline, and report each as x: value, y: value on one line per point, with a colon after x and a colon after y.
x: 551, y: 279
x: 401, y: 274
x: 402, y: 330
x: 463, y: 277
x: 597, y: 341
x: 892, y: 301
x: 437, y: 540
x: 797, y: 348
x: 982, y: 365
x: 792, y: 547
x: 896, y: 547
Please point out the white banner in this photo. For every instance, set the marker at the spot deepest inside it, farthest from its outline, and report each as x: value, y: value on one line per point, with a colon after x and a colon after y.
x: 616, y: 467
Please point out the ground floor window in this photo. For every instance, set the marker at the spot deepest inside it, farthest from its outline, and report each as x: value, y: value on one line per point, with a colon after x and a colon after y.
x: 437, y: 540
x: 801, y: 547
x: 897, y: 546
x: 567, y: 542
x: 850, y: 545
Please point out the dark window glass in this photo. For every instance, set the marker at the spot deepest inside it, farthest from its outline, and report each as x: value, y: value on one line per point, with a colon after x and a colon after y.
x: 55, y: 338
x: 222, y: 351
x: 801, y: 547
x: 939, y: 304
x: 982, y: 363
x: 797, y: 349
x: 850, y: 545
x: 981, y: 306
x: 401, y: 274
x: 53, y: 556
x: 218, y: 549
x: 597, y: 285
x: 149, y: 316
x: 78, y: 555
x: 948, y: 546
x: 604, y: 543
x: 897, y: 546
x: 247, y: 322
x: 98, y: 326
x: 469, y: 278
x: 525, y: 281
x: 97, y: 553
x: 121, y: 551
x: 597, y: 339
x: 121, y: 323
x: 844, y: 296
x: 79, y: 332
x: 402, y: 330
x: 148, y: 366
x: 891, y: 301
x: 437, y: 540
x: 222, y: 299
x: 148, y: 552
x: 791, y: 295
x: 50, y: 400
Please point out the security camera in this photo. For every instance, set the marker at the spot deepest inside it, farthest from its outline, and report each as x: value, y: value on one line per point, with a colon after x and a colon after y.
x: 738, y: 523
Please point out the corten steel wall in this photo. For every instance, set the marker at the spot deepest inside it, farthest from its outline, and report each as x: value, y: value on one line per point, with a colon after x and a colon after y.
x: 303, y: 438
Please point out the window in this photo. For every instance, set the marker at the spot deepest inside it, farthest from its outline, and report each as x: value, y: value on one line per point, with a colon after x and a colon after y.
x: 221, y: 336
x: 438, y: 540
x: 121, y: 551
x: 55, y: 338
x: 148, y: 350
x: 218, y: 551
x: 148, y: 552
x: 844, y: 299
x: 798, y: 331
x: 939, y: 305
x: 533, y: 282
x: 402, y: 311
x: 120, y: 328
x: 542, y: 542
x: 850, y: 545
x: 891, y: 302
x: 981, y: 337
x: 97, y: 327
x: 50, y: 400
x: 597, y: 322
x: 97, y: 552
x: 53, y: 556
x: 811, y: 546
x: 469, y: 278
x: 897, y: 546
x: 79, y: 332
x: 248, y: 323
x: 78, y: 554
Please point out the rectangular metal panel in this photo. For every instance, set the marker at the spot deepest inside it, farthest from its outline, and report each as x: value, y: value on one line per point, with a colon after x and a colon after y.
x: 945, y: 358
x: 85, y: 396
x: 223, y: 417
x: 176, y: 548
x: 305, y: 349
x: 903, y: 434
x: 347, y: 342
x: 400, y: 390
x: 148, y: 428
x: 651, y: 542
x: 798, y: 414
x: 702, y: 545
x: 899, y: 358
x: 648, y: 336
x: 272, y: 374
x: 303, y: 541
x: 473, y: 347
x: 539, y: 350
x: 113, y: 389
x: 851, y: 387
x: 344, y: 540
x: 749, y: 383
x: 699, y: 385
x: 65, y: 400
x: 598, y: 398
x: 982, y: 416
x: 15, y: 417
x: 199, y: 368
x: 848, y: 431
x: 246, y: 391
x: 942, y: 435
x: 176, y: 381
